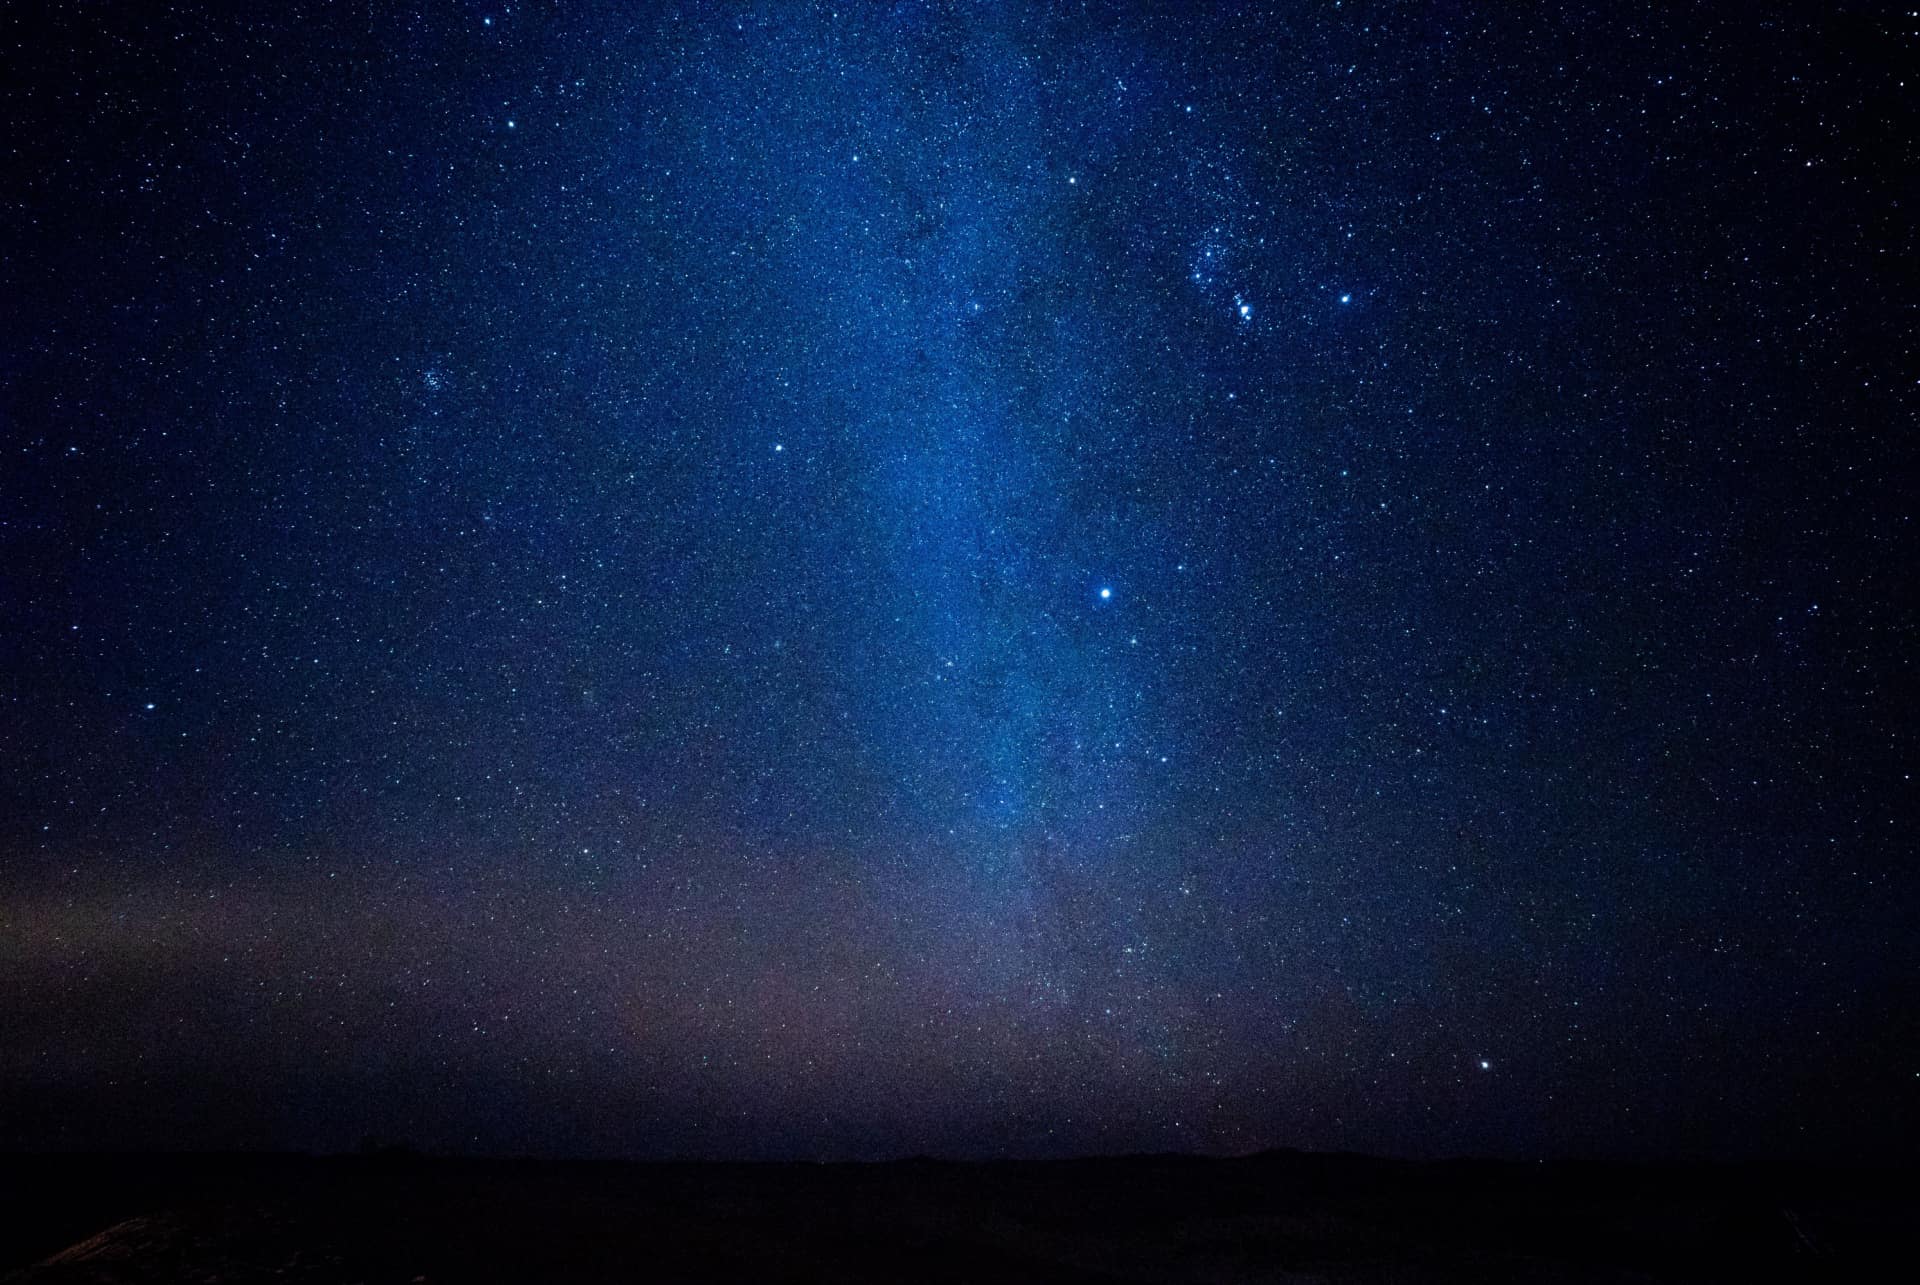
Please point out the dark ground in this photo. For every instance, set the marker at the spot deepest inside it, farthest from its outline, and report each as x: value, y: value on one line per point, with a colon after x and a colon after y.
x: 1277, y: 1217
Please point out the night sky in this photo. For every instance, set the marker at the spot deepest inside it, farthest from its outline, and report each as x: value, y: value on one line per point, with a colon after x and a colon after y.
x: 782, y: 580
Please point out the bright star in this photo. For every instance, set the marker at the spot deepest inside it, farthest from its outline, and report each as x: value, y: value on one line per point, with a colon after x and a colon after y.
x: 1346, y: 298
x: 1485, y: 1065
x: 1104, y: 593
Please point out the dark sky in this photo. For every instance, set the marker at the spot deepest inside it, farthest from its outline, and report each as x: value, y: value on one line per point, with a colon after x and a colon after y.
x: 793, y: 580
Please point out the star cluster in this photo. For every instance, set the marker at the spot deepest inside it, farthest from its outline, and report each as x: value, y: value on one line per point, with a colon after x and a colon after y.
x: 794, y: 580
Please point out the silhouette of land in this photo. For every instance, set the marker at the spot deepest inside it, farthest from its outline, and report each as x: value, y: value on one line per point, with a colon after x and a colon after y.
x: 396, y: 1217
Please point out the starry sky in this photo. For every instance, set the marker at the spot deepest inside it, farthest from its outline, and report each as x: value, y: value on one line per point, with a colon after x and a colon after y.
x: 848, y: 580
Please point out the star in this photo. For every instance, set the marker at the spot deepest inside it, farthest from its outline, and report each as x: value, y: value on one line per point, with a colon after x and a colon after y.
x: 1104, y: 594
